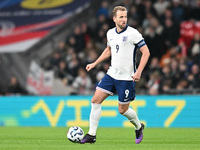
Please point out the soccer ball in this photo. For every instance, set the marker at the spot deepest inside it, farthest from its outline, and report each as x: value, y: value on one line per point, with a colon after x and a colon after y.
x: 75, y: 134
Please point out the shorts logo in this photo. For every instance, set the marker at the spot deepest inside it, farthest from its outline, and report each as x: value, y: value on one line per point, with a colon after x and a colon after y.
x: 99, y: 82
x: 126, y: 99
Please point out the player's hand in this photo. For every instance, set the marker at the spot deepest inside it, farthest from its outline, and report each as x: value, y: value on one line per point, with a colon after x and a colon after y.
x: 136, y: 76
x: 90, y: 66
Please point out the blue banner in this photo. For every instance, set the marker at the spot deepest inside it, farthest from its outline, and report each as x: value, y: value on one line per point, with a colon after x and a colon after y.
x: 25, y: 22
x: 154, y: 111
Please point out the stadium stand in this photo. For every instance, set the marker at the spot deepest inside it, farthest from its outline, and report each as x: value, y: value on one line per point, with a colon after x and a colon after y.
x: 171, y: 33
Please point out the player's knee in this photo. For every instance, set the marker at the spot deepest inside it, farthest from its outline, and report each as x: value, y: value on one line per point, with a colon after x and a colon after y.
x: 95, y: 100
x: 122, y: 110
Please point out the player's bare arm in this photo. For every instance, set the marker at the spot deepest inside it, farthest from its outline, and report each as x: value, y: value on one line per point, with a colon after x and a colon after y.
x: 105, y: 55
x: 143, y: 61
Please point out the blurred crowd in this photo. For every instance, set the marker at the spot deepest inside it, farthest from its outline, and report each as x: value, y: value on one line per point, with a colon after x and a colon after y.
x: 171, y: 29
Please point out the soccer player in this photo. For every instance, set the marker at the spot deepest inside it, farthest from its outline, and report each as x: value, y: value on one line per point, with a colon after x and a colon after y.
x: 122, y: 42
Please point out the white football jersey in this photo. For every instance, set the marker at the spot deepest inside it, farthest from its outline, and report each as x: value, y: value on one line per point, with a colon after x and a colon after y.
x: 123, y: 50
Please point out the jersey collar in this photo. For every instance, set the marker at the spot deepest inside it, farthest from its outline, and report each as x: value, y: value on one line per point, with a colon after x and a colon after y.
x: 122, y: 30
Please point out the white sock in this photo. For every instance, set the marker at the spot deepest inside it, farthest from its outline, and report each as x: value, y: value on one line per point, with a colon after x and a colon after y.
x: 95, y: 116
x: 132, y: 117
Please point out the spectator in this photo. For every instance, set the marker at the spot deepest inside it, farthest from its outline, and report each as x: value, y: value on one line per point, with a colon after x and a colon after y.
x: 86, y: 32
x: 73, y: 65
x: 157, y: 26
x: 160, y: 6
x: 195, y: 76
x: 146, y: 8
x: 170, y: 34
x: 71, y: 42
x: 100, y: 39
x: 153, y: 40
x: 134, y: 17
x: 177, y: 10
x: 194, y: 51
x: 63, y: 74
x: 154, y: 65
x: 79, y: 38
x: 14, y: 87
x: 69, y: 54
x: 165, y: 88
x: 196, y: 11
x: 154, y: 83
x: 172, y: 52
x: 76, y: 40
x: 92, y: 56
x: 103, y: 10
x: 185, y: 64
x: 100, y: 21
x: 187, y: 30
x: 61, y: 49
x: 167, y: 15
x: 54, y: 61
x: 82, y: 83
x: 149, y: 8
x: 175, y: 68
x: 90, y: 46
x: 181, y: 86
x: 147, y: 21
x: 166, y: 76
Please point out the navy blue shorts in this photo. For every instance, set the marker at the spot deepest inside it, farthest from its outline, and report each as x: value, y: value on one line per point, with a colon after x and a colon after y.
x: 125, y: 89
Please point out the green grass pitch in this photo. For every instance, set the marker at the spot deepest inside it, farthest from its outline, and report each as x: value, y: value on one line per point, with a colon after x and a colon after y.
x: 47, y: 138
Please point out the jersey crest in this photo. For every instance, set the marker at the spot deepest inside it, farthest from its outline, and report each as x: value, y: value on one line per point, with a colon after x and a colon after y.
x: 125, y: 38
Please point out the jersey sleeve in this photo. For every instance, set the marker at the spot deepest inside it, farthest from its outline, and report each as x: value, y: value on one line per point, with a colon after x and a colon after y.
x: 108, y: 41
x: 138, y: 39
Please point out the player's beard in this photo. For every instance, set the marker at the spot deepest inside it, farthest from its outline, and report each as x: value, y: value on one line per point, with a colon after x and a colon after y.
x: 122, y: 26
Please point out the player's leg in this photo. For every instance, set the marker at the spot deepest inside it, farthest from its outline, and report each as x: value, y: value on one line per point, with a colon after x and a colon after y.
x: 103, y: 90
x: 95, y: 116
x: 126, y: 93
x: 128, y: 112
